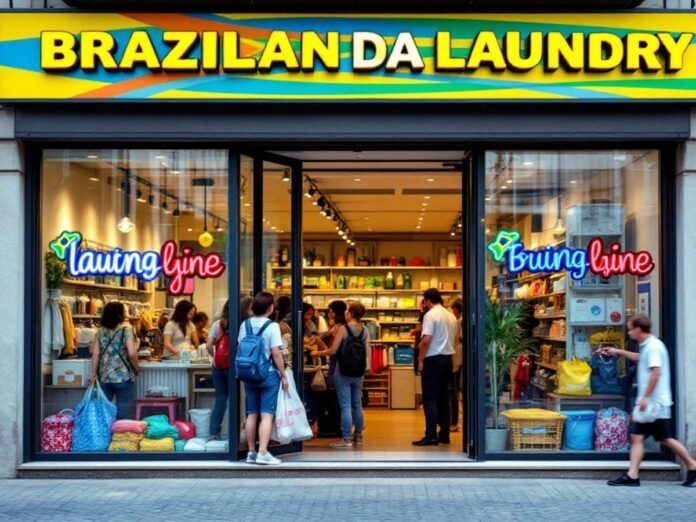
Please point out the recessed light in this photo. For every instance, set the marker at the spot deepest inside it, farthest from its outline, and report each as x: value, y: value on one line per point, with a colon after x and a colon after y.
x: 164, y: 164
x: 274, y: 228
x: 93, y: 179
x: 247, y: 204
x: 427, y: 197
x: 357, y: 179
x: 161, y: 157
x: 189, y: 229
x: 509, y: 181
x: 487, y: 198
x: 430, y: 180
x: 418, y: 227
x: 573, y: 181
x: 488, y: 231
x: 425, y: 204
x: 528, y: 163
x: 503, y: 187
x: 620, y: 157
x: 175, y: 171
x: 92, y: 156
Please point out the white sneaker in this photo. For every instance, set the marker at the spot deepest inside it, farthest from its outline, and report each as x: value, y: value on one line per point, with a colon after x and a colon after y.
x: 251, y: 457
x: 267, y: 459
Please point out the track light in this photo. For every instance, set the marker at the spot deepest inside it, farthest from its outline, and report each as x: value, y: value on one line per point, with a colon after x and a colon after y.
x: 139, y: 196
x: 165, y: 205
x: 327, y: 213
x: 176, y: 212
x: 286, y: 176
x: 310, y: 192
x: 151, y: 200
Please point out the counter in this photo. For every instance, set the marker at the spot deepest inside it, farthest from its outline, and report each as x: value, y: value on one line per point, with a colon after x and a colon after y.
x: 179, y: 377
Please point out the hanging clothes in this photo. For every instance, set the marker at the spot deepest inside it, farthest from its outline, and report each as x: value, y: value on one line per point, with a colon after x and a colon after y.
x: 68, y: 329
x: 53, y: 337
x: 522, y: 376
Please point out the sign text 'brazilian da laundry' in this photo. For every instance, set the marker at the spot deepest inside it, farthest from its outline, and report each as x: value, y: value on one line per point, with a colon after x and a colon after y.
x: 211, y: 51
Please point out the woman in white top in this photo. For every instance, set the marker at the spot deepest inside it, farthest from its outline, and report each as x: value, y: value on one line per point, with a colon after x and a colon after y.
x: 180, y: 333
x: 262, y: 397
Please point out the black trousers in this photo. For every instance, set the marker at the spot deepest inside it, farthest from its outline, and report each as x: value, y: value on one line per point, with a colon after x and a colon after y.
x: 437, y: 371
x: 454, y: 397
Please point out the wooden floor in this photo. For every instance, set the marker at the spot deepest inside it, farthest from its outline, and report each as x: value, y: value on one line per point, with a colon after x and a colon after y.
x: 392, y: 430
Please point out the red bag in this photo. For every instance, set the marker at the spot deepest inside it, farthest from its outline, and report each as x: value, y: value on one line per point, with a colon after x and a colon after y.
x: 187, y: 430
x: 57, y: 432
x: 221, y: 360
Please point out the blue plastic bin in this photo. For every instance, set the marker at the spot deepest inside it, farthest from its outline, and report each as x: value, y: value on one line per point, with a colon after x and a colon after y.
x: 403, y: 355
x: 578, y: 432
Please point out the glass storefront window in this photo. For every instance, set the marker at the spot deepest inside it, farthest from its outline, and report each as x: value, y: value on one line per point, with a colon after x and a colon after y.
x: 127, y: 235
x: 547, y: 315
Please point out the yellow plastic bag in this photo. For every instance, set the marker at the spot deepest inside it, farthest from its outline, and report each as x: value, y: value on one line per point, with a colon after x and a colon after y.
x: 124, y: 445
x: 127, y: 436
x: 574, y: 378
x: 165, y: 444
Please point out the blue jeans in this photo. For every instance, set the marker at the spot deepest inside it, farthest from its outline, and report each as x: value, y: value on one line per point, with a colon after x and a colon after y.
x: 349, y: 392
x: 262, y: 397
x: 222, y: 392
x: 124, y: 392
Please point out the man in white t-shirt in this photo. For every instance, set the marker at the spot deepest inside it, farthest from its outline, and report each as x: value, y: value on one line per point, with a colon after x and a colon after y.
x: 654, y: 395
x: 435, y: 366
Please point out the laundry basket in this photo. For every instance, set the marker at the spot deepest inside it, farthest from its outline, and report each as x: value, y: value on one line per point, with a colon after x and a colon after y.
x: 535, y: 429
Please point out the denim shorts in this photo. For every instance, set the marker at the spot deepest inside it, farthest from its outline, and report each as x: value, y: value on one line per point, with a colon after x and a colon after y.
x: 262, y: 397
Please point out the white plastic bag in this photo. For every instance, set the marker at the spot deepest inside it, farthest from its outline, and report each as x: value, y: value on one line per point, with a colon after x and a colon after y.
x: 201, y: 419
x: 291, y: 419
x: 195, y: 444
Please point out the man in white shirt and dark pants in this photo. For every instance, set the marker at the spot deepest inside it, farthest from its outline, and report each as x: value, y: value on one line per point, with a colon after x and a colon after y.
x: 435, y: 366
x: 654, y: 399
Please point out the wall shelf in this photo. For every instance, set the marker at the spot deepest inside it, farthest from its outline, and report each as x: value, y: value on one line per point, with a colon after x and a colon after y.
x: 81, y: 284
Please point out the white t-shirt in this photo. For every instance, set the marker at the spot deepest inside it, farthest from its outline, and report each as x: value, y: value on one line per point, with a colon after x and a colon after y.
x: 271, y: 335
x: 179, y: 340
x: 441, y: 325
x: 653, y: 354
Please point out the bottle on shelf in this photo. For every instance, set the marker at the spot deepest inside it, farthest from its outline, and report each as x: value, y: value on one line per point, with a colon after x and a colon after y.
x: 443, y: 256
x: 389, y: 281
x: 399, y: 283
x: 341, y: 261
x: 350, y: 257
x: 284, y: 256
x: 459, y: 257
x: 451, y: 258
x: 407, y: 281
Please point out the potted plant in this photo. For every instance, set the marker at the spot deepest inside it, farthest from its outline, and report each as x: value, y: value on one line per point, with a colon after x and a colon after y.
x: 505, y: 341
x: 55, y: 274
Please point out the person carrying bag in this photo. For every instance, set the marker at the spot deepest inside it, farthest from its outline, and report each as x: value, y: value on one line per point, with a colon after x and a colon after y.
x: 115, y: 359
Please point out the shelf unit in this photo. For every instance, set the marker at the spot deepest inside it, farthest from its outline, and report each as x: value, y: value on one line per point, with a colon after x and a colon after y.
x: 376, y: 390
x: 83, y: 284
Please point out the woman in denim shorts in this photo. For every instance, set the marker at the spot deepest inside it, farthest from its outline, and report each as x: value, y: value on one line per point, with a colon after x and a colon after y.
x: 262, y: 397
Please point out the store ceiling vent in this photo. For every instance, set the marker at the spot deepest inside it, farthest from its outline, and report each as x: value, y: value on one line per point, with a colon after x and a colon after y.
x: 363, y: 192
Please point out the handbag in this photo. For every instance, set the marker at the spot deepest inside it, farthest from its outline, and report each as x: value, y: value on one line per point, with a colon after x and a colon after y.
x: 605, y: 375
x: 574, y: 377
x: 318, y: 383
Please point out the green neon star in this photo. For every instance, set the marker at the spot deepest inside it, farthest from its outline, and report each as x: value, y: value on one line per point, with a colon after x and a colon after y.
x: 503, y: 240
x: 60, y: 244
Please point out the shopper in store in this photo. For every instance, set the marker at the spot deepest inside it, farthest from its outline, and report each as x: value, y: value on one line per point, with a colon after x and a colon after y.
x: 654, y: 402
x: 455, y: 381
x: 221, y: 381
x: 284, y: 319
x: 435, y: 355
x: 180, y: 333
x: 261, y: 398
x: 115, y: 359
x: 351, y: 346
x: 201, y: 321
x: 245, y: 308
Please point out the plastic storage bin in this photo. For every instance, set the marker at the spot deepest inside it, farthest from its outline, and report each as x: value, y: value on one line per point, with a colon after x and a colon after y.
x: 71, y: 372
x: 403, y: 355
x: 535, y: 429
x: 579, y: 429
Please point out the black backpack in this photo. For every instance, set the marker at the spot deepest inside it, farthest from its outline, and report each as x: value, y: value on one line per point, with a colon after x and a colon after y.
x: 352, y: 357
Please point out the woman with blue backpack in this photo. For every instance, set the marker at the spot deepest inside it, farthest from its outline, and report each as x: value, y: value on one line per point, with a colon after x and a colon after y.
x: 259, y: 364
x: 351, y: 346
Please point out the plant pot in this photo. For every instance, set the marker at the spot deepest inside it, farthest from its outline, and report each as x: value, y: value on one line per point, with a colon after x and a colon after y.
x: 496, y: 440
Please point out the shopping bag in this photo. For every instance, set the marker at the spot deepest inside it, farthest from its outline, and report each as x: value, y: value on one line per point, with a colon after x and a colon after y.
x: 318, y: 382
x: 93, y: 419
x: 291, y: 419
x: 574, y: 377
x: 57, y: 432
x: 605, y: 375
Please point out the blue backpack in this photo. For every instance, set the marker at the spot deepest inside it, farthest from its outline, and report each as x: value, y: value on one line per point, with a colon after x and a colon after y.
x: 251, y: 364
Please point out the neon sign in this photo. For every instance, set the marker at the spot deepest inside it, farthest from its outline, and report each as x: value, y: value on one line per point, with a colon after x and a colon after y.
x: 147, y: 266
x: 507, y: 247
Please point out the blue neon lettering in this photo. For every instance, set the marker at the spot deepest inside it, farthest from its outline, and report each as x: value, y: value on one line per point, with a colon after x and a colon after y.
x: 550, y: 259
x: 145, y: 265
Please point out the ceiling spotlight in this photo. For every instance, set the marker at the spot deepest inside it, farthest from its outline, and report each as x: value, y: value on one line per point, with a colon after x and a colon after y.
x: 620, y: 157
x: 335, y: 216
x: 165, y: 206
x: 509, y: 181
x: 357, y: 179
x: 321, y: 202
x: 427, y: 197
x: 93, y: 179
x: 161, y: 157
x: 430, y: 180
x: 218, y: 227
x: 176, y: 212
x: 487, y: 198
x: 528, y: 163
x: 503, y: 187
x: 418, y: 227
x: 189, y: 229
x: 92, y: 156
x: 139, y: 196
x: 453, y: 233
x: 286, y: 176
x: 151, y: 200
x: 573, y: 181
x: 310, y: 192
x: 459, y: 225
x: 352, y: 243
x: 328, y: 213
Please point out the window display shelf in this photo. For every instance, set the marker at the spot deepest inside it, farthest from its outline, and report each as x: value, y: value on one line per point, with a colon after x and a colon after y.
x: 311, y: 291
x: 550, y: 366
x: 370, y: 268
x: 545, y: 296
x: 551, y: 316
x: 597, y: 288
x: 399, y: 322
x: 82, y: 284
x: 552, y: 339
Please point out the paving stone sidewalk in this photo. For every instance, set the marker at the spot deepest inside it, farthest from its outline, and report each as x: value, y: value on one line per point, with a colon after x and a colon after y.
x: 356, y: 499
